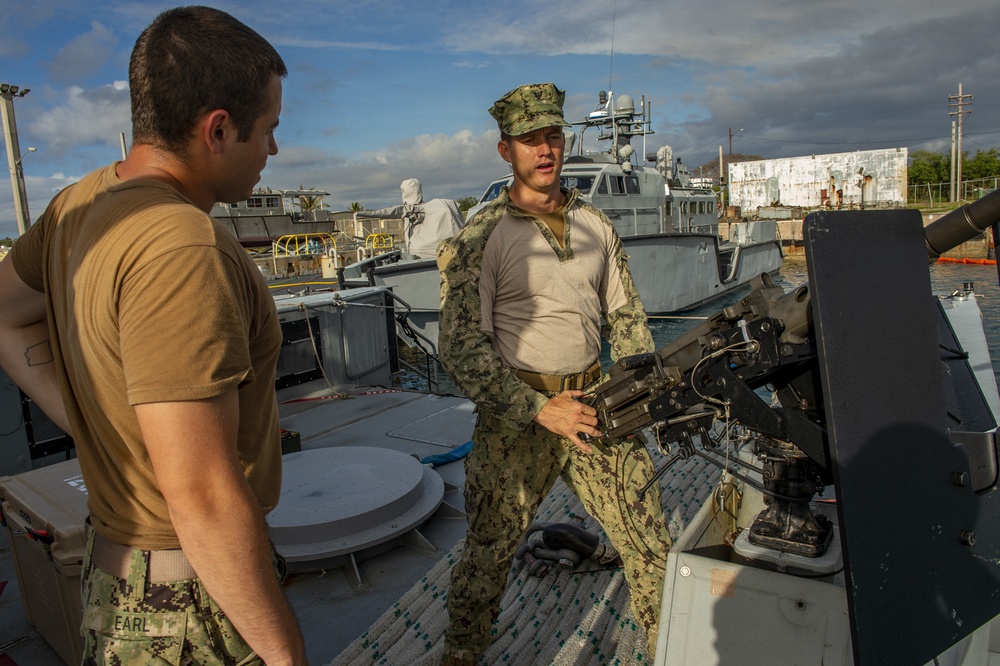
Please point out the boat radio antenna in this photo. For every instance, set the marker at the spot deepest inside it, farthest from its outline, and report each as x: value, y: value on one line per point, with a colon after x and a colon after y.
x: 611, y: 65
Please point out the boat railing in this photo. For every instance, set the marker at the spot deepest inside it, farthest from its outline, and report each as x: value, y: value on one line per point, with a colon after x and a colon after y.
x: 376, y: 243
x: 293, y: 245
x: 425, y: 347
x: 303, y: 245
x: 728, y: 263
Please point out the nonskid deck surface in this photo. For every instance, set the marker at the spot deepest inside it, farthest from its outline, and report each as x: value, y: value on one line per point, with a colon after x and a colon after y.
x: 332, y: 607
x: 396, y: 610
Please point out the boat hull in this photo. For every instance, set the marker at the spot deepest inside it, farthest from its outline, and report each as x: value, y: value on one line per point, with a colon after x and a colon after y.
x: 679, y: 272
x: 673, y: 272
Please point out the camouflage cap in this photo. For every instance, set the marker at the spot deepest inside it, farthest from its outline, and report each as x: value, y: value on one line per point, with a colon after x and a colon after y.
x: 528, y: 108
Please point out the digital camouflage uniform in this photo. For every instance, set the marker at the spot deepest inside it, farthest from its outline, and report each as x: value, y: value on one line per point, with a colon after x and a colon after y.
x: 133, y: 621
x: 514, y: 461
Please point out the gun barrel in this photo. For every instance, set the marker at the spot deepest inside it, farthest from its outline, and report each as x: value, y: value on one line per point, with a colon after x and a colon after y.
x: 962, y: 224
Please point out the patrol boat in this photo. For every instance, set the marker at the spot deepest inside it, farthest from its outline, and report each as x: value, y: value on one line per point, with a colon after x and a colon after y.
x: 668, y: 225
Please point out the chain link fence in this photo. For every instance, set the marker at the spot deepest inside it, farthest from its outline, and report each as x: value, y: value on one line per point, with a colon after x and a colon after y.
x: 937, y: 193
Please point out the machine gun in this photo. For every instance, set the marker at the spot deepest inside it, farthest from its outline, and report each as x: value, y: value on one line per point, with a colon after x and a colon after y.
x: 835, y: 418
x: 713, y: 374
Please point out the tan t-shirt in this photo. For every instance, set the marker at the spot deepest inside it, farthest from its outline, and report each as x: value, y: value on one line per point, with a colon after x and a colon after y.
x: 150, y: 300
x: 543, y: 302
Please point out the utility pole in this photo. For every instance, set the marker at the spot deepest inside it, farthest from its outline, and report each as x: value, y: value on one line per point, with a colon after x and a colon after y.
x: 7, y: 95
x: 958, y: 101
x: 723, y: 181
x: 951, y: 190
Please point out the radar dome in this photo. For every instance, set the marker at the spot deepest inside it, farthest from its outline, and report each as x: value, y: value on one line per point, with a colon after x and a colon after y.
x: 624, y: 105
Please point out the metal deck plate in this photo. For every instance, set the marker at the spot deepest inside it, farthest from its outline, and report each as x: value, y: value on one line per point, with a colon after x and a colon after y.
x: 342, y: 500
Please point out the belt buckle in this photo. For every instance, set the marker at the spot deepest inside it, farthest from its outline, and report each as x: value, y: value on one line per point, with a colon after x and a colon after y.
x: 568, y: 383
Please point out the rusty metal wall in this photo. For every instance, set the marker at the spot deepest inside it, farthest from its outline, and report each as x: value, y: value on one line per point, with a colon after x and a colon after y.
x: 862, y: 179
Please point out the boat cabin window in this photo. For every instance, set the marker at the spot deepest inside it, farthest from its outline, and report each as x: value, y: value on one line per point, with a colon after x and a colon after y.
x: 264, y: 202
x: 670, y: 208
x: 701, y: 207
x: 584, y: 183
x: 619, y: 185
x: 493, y: 192
x: 710, y: 206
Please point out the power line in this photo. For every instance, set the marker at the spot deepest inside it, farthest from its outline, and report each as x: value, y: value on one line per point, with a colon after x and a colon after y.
x: 699, y: 147
x: 981, y: 144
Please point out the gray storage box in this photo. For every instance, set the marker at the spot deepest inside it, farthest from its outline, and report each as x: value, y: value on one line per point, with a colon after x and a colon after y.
x: 45, y: 512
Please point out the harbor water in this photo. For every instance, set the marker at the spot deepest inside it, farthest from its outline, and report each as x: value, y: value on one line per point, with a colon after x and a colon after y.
x: 946, y: 278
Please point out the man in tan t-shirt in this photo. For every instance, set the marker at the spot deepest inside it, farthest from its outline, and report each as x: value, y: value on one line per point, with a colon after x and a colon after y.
x: 143, y: 329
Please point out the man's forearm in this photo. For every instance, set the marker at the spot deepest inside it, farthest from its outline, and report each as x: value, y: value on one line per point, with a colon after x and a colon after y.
x: 220, y: 525
x: 224, y: 536
x: 26, y: 357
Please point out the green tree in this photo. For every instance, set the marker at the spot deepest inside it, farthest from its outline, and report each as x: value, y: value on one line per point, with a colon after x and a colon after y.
x: 357, y: 207
x: 986, y: 164
x: 311, y: 202
x: 465, y: 203
x: 928, y: 167
x: 308, y: 202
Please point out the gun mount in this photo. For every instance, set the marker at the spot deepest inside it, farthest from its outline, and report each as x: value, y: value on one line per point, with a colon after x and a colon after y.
x: 859, y: 382
x: 712, y: 374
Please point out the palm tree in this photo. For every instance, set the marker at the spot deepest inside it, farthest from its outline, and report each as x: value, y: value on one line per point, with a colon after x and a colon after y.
x: 311, y: 202
x: 308, y: 202
x: 357, y: 207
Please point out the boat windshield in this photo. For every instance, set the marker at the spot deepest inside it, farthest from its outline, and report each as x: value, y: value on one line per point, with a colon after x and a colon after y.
x: 582, y: 182
x: 494, y: 190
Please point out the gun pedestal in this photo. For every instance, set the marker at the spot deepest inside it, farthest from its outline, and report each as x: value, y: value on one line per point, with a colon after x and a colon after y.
x: 788, y: 524
x: 874, y: 386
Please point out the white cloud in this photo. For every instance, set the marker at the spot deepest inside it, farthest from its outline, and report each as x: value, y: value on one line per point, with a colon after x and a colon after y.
x: 449, y: 166
x: 86, y: 117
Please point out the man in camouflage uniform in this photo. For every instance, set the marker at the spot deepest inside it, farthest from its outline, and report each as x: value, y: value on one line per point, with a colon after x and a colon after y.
x: 525, y: 286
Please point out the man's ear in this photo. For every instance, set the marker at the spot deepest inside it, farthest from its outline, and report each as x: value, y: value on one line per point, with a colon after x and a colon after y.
x: 215, y: 129
x: 504, y: 149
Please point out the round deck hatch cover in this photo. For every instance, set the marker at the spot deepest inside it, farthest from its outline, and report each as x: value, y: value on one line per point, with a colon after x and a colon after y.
x: 341, y: 500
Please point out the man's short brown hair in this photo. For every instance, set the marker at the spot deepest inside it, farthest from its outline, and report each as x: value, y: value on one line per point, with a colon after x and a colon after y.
x: 191, y: 60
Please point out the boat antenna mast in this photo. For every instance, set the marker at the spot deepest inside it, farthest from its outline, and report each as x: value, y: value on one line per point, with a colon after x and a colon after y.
x: 611, y: 60
x: 615, y: 119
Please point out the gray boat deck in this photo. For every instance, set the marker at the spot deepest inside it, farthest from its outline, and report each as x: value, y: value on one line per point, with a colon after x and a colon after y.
x: 396, y: 614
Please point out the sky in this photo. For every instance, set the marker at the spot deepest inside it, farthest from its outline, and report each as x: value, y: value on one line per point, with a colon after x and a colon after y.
x: 382, y: 91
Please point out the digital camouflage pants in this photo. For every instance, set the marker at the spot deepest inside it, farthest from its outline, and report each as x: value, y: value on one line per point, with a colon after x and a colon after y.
x: 508, y: 473
x: 131, y: 621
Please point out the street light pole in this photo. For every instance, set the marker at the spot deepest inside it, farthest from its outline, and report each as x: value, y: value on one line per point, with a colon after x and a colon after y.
x: 7, y: 95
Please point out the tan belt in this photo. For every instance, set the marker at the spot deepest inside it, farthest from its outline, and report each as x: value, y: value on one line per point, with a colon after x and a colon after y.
x: 572, y: 382
x: 165, y: 566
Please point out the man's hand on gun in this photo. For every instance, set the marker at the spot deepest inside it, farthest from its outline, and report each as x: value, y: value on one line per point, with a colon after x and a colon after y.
x: 565, y: 415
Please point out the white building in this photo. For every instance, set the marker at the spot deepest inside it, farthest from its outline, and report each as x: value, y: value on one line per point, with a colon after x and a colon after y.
x: 862, y: 179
